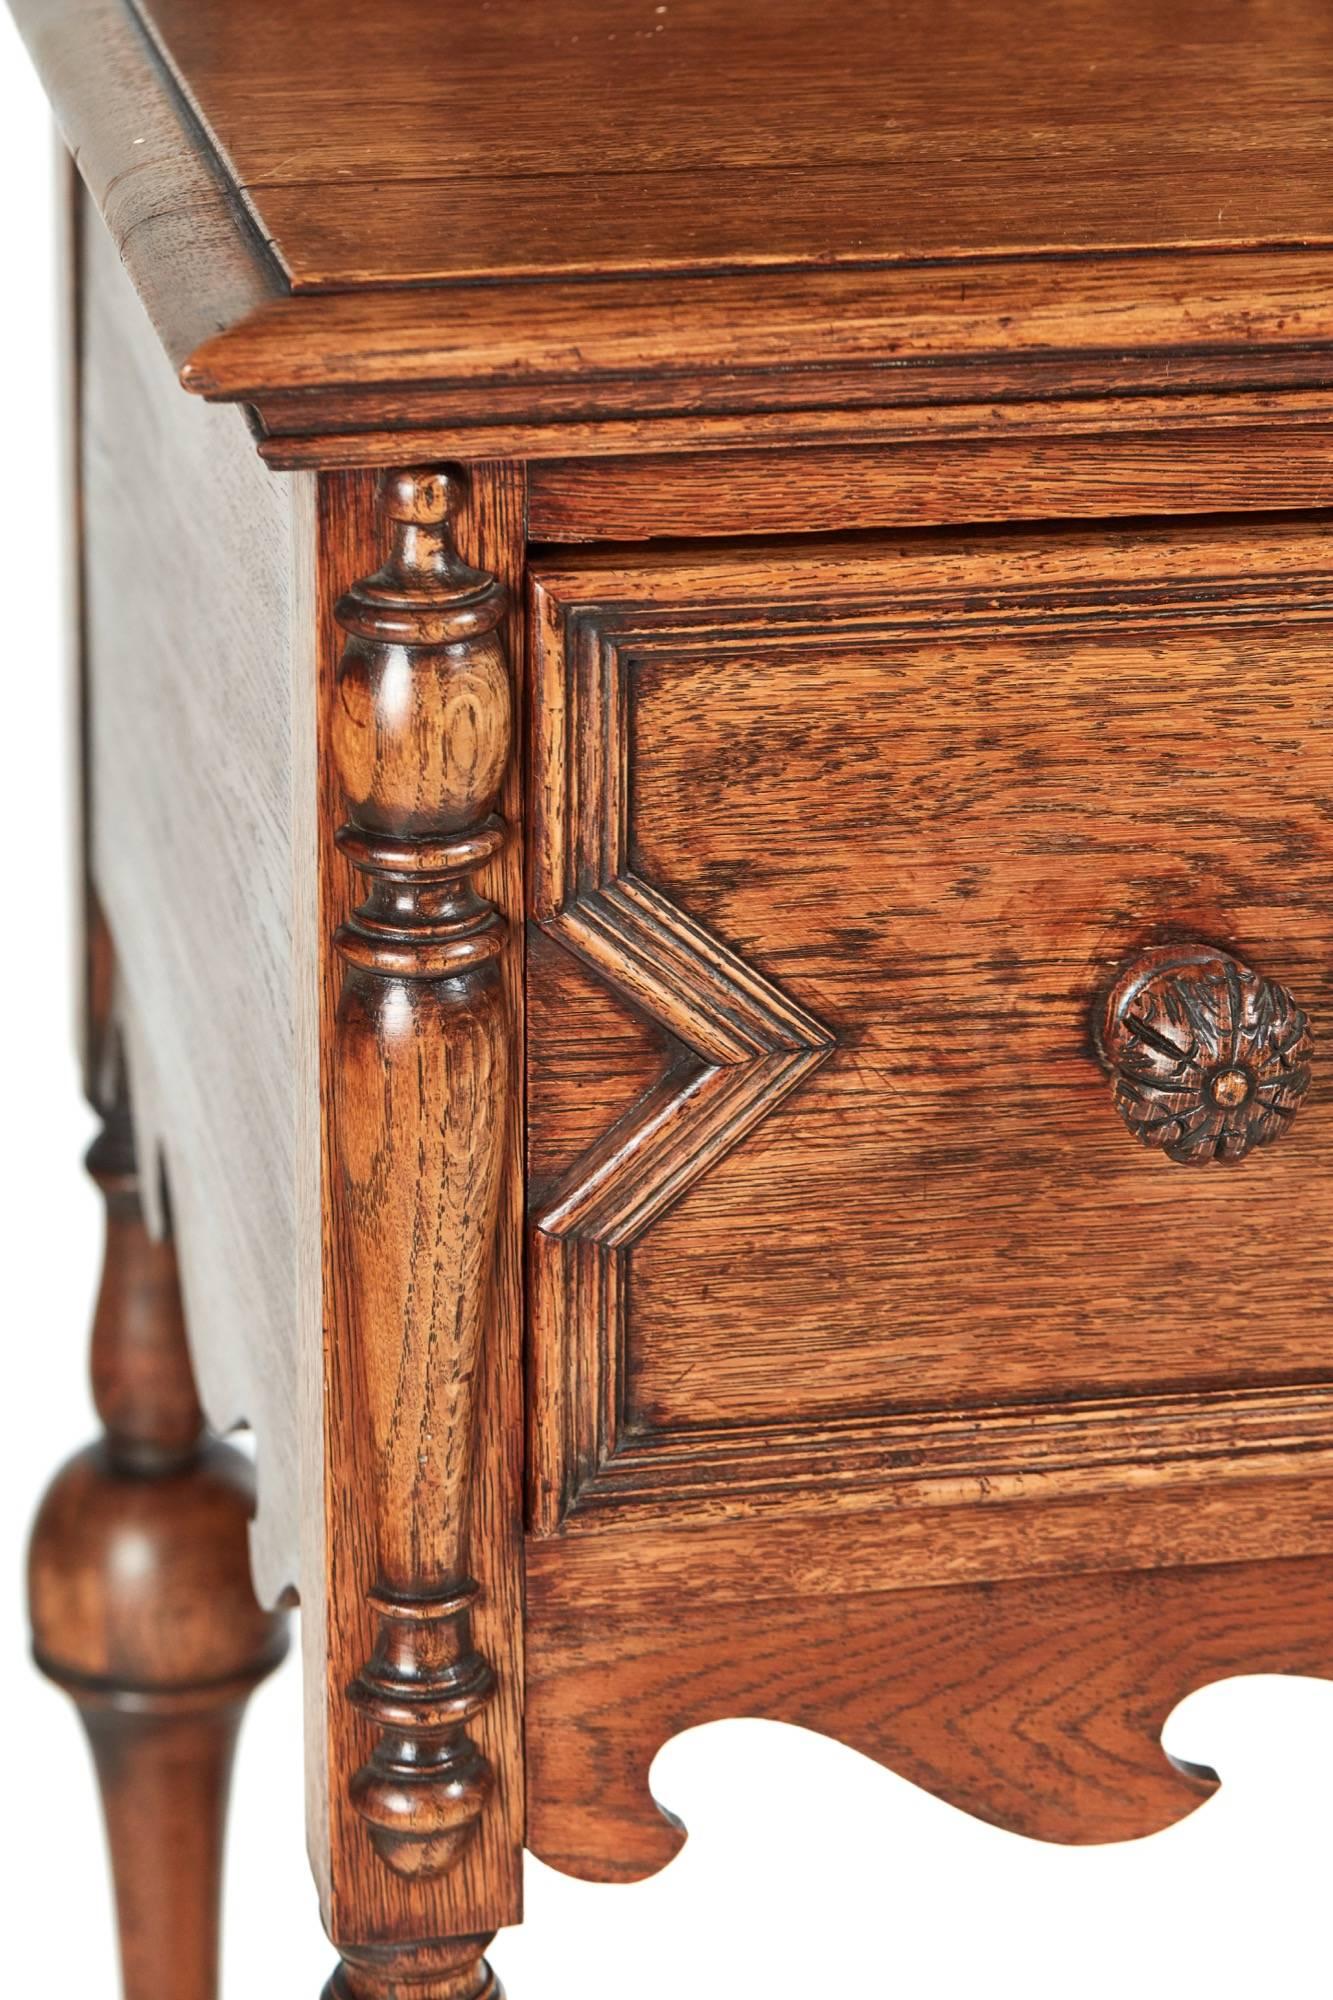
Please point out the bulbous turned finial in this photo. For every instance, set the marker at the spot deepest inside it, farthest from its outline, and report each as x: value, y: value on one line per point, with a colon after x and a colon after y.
x: 421, y: 735
x: 423, y: 494
x: 424, y: 594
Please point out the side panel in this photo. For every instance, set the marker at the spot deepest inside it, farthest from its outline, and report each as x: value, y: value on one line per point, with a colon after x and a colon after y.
x: 201, y: 763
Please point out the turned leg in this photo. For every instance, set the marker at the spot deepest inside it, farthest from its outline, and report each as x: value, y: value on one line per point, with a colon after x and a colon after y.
x: 142, y: 1608
x: 452, y: 1969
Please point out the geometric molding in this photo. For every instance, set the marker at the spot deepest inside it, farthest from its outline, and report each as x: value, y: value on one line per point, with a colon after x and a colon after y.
x: 744, y: 1048
x: 751, y: 1047
x: 593, y: 624
x: 950, y: 1458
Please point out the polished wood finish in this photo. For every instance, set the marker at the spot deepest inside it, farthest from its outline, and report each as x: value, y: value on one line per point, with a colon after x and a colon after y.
x: 1038, y: 1706
x: 764, y: 616
x: 422, y: 1702
x: 741, y: 340
x: 706, y: 136
x: 1045, y: 261
x: 453, y: 1969
x: 924, y: 480
x: 913, y: 859
x: 142, y: 1605
x: 421, y: 735
x: 164, y: 199
x: 1209, y: 1060
x: 308, y: 430
x: 739, y: 1047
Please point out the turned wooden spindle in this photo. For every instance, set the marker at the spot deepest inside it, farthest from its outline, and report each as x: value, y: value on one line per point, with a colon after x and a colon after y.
x: 142, y: 1607
x: 1208, y: 1059
x: 448, y: 1969
x: 421, y: 737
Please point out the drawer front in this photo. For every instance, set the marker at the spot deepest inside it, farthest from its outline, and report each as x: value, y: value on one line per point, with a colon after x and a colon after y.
x: 836, y: 850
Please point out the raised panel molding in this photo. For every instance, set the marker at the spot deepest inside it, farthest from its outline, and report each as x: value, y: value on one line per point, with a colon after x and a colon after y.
x: 743, y: 1046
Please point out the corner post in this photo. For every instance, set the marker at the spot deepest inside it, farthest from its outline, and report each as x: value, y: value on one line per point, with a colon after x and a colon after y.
x: 422, y: 1082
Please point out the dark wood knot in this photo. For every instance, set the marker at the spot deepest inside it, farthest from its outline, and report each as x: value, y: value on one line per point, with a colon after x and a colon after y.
x: 1208, y: 1059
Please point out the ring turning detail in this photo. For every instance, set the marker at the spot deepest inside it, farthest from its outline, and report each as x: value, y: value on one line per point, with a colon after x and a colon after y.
x: 1208, y: 1058
x: 421, y: 737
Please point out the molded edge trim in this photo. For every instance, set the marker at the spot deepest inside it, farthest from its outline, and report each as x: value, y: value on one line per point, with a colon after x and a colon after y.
x: 891, y: 336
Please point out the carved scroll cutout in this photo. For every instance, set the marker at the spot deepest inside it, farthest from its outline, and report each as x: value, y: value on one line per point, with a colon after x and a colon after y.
x: 1036, y: 1704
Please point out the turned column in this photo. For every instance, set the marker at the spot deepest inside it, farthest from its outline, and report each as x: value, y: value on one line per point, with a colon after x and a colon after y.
x: 422, y: 1072
x: 142, y: 1608
x: 449, y: 1969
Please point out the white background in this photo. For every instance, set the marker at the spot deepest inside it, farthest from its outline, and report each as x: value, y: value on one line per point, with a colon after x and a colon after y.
x: 809, y: 1870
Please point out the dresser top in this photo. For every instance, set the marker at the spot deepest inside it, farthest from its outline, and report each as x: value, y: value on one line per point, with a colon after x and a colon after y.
x: 397, y: 144
x: 325, y: 195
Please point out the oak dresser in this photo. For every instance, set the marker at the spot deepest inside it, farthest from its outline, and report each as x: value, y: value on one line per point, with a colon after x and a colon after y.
x: 706, y: 661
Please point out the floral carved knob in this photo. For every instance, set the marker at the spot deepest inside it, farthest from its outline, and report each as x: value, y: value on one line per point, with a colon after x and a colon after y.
x: 1208, y: 1059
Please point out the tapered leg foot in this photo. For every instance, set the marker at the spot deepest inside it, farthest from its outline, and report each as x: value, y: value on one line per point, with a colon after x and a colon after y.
x: 164, y: 1780
x: 142, y: 1607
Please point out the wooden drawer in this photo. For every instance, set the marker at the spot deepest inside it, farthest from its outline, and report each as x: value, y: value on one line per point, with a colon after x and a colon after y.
x: 835, y: 847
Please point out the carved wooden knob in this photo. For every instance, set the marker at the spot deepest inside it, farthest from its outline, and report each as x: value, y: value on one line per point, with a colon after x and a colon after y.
x: 1208, y: 1059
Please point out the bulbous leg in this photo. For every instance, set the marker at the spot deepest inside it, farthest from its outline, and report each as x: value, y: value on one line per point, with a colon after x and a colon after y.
x: 142, y: 1607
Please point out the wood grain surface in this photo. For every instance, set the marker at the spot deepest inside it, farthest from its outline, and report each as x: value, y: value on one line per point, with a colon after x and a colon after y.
x: 974, y: 228
x: 422, y: 1069
x: 877, y: 1380
x: 552, y: 354
x: 197, y: 262
x: 1225, y: 468
x: 593, y: 136
x: 201, y: 738
x: 1036, y: 1705
x: 370, y: 1534
x: 1029, y: 429
x: 934, y: 793
x: 141, y: 1602
x: 603, y: 1563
